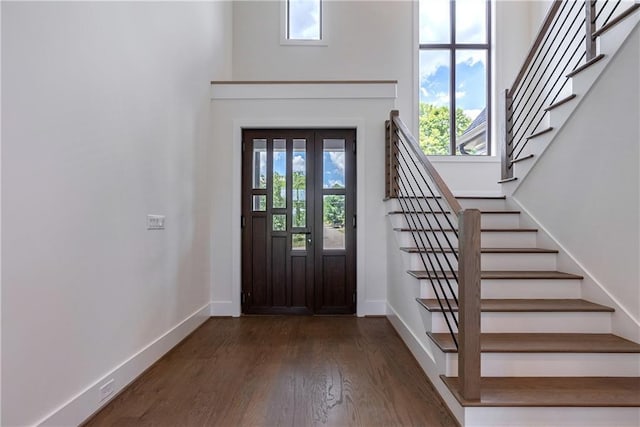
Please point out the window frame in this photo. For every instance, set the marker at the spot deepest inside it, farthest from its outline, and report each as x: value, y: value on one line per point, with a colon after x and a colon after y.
x: 284, y: 28
x: 452, y: 47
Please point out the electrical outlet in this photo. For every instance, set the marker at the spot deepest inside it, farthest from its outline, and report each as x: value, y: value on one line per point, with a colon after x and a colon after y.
x: 155, y: 222
x: 106, y: 390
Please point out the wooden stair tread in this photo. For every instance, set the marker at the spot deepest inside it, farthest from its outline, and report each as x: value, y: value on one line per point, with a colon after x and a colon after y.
x: 537, y: 134
x: 561, y: 102
x: 522, y: 159
x: 485, y: 230
x: 448, y: 212
x: 484, y: 250
x: 553, y: 391
x: 585, y: 66
x: 523, y: 305
x: 503, y: 275
x: 542, y: 343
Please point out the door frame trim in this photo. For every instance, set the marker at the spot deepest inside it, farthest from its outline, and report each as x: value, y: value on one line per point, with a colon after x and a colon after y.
x: 233, y: 307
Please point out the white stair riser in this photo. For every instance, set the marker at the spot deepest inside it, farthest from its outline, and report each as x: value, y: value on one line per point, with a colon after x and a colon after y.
x: 490, y: 261
x: 482, y: 204
x: 550, y: 416
x: 521, y: 289
x: 525, y: 322
x: 488, y: 239
x: 501, y: 220
x: 553, y: 364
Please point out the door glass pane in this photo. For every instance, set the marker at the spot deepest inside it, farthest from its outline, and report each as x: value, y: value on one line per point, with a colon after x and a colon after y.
x: 471, y: 102
x: 279, y: 222
x: 471, y: 21
x: 299, y: 166
x: 434, y: 102
x: 298, y: 242
x: 333, y: 215
x: 435, y: 26
x: 279, y: 173
x: 333, y: 163
x: 260, y: 203
x: 259, y: 163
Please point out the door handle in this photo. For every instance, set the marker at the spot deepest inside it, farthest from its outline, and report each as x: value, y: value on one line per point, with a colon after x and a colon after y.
x: 309, y: 234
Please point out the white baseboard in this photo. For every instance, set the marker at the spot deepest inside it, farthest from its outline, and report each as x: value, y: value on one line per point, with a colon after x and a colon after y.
x: 224, y: 309
x: 426, y: 362
x: 372, y: 308
x: 86, y: 403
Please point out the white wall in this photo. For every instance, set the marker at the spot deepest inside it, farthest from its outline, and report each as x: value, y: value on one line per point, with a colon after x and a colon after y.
x: 585, y: 188
x: 329, y: 108
x: 365, y: 40
x: 377, y: 40
x: 105, y: 113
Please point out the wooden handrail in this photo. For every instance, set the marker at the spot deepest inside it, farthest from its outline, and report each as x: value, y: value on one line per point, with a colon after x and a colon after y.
x: 422, y: 158
x: 548, y: 20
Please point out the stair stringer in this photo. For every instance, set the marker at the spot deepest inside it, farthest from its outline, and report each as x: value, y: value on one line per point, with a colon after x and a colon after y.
x: 609, y: 44
x: 622, y: 322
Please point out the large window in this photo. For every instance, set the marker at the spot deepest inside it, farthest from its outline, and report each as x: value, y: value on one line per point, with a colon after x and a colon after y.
x: 454, y: 77
x: 303, y: 20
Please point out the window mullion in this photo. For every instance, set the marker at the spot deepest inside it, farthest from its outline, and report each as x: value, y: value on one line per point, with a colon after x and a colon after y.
x: 452, y: 80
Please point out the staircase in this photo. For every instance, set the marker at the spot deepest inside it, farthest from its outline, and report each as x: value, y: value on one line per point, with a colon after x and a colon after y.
x: 543, y: 347
x: 505, y: 335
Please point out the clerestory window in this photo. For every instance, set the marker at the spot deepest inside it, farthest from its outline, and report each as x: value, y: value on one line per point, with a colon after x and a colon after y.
x: 454, y: 77
x: 303, y: 21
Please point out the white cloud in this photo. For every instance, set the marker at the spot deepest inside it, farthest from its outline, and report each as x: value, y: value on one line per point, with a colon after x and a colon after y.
x: 471, y: 57
x: 298, y: 164
x: 460, y: 94
x: 431, y: 60
x: 434, y: 22
x: 440, y: 99
x: 337, y: 158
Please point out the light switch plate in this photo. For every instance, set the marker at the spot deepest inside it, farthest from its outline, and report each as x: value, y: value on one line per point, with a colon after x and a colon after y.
x: 155, y: 222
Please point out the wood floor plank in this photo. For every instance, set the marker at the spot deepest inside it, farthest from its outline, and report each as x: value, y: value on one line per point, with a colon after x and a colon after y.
x: 283, y: 371
x: 554, y: 391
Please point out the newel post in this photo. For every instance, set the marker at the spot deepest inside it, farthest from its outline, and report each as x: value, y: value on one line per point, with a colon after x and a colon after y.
x: 469, y: 303
x: 590, y: 28
x: 391, y: 151
x: 507, y: 148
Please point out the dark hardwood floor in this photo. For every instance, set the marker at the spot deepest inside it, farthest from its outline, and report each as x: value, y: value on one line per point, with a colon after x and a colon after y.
x: 283, y: 371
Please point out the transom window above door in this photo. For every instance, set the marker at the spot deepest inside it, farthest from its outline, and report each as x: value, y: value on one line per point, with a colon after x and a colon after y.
x: 302, y: 22
x: 454, y: 77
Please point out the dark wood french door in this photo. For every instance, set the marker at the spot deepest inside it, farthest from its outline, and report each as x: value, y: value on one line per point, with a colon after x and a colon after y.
x: 298, y: 221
